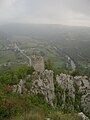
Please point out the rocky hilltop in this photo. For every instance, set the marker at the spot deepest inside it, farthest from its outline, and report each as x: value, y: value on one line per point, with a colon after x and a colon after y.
x: 62, y: 90
x: 64, y: 85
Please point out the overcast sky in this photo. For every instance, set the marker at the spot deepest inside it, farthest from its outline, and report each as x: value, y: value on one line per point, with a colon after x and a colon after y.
x: 69, y: 12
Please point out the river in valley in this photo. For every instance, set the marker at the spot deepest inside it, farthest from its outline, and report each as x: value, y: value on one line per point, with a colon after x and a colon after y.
x: 73, y: 65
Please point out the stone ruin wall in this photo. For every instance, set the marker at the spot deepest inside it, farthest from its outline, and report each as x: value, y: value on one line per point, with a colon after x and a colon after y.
x: 38, y: 63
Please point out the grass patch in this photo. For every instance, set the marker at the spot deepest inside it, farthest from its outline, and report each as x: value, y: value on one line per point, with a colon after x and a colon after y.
x: 6, y: 56
x: 40, y: 115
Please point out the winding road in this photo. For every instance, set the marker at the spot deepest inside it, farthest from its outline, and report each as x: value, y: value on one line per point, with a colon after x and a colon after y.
x: 21, y: 51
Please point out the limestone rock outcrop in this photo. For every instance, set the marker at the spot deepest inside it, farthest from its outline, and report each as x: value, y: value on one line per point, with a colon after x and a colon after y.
x: 44, y: 85
x: 83, y: 84
x: 83, y: 116
x: 19, y: 87
x: 85, y: 102
x: 67, y: 82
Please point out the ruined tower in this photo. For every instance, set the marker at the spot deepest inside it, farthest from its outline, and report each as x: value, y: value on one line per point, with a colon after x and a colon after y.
x: 38, y: 63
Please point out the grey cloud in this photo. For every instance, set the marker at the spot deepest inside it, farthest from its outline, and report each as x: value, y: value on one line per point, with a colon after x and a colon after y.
x: 70, y: 12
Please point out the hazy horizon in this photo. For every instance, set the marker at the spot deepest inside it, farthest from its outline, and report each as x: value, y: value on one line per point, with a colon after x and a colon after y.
x: 71, y: 12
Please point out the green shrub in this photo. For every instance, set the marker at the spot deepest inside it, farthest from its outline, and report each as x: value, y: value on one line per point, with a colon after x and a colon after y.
x: 28, y: 85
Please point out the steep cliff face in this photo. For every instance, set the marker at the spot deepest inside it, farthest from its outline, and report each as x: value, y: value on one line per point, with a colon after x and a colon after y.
x: 77, y: 88
x: 83, y: 116
x: 65, y: 83
x: 44, y: 85
x: 85, y: 102
x: 83, y: 83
